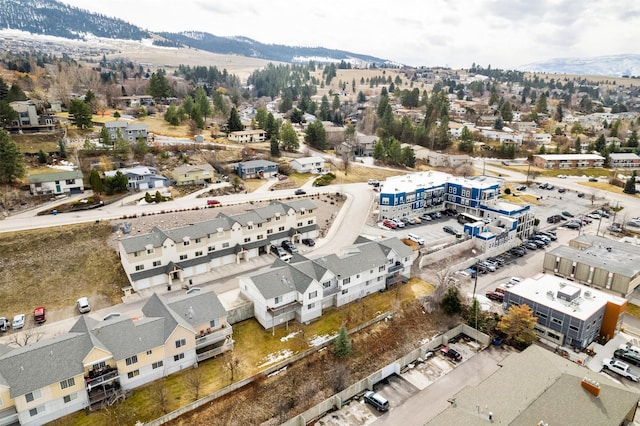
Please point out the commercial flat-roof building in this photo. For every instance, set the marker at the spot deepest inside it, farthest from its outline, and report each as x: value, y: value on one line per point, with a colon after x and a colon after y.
x: 568, y: 313
x: 598, y: 262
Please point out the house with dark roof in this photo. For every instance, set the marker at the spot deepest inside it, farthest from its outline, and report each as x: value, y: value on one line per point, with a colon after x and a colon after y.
x: 301, y: 289
x: 256, y: 169
x: 165, y: 257
x: 56, y: 183
x: 97, y: 360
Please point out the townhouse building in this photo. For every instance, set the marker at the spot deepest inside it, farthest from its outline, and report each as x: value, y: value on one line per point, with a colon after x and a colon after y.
x: 165, y: 257
x: 624, y: 160
x: 56, y: 183
x: 568, y: 161
x: 303, y: 288
x: 568, y: 313
x: 96, y: 361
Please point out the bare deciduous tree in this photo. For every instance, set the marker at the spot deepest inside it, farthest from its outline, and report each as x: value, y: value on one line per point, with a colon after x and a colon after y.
x: 193, y: 380
x: 160, y: 395
x: 232, y: 363
x: 26, y: 337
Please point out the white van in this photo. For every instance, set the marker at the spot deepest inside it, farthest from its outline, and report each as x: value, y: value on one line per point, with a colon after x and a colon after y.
x: 416, y: 239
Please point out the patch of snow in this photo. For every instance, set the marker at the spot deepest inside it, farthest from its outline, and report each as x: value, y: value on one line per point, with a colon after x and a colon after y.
x: 289, y: 336
x: 275, y: 357
x: 319, y: 340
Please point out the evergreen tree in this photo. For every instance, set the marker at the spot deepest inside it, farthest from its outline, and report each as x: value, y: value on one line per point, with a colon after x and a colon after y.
x: 466, y: 141
x: 378, y: 151
x: 630, y: 186
x: 105, y: 137
x: 451, y: 302
x: 7, y: 114
x: 601, y: 143
x: 141, y: 148
x: 171, y: 115
x: 289, y: 137
x: 159, y: 86
x: 62, y: 149
x: 316, y: 136
x: 42, y: 157
x: 4, y: 90
x: 95, y: 182
x: 16, y: 94
x: 202, y: 100
x: 275, y: 147
x: 234, y: 124
x: 408, y: 157
x: 11, y: 159
x: 80, y: 114
x: 342, y: 345
x: 633, y: 139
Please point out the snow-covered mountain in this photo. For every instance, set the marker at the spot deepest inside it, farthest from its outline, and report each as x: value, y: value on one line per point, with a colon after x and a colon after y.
x: 613, y: 66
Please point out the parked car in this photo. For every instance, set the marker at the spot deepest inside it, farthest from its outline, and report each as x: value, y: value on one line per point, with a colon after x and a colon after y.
x: 300, y: 192
x: 83, y: 305
x: 555, y: 218
x: 308, y: 242
x: 389, y: 224
x: 494, y: 295
x: 517, y: 251
x: 562, y: 190
x: 552, y: 235
x: 213, y: 202
x: 490, y: 266
x: 379, y: 402
x: 529, y: 245
x: 406, y: 221
x: 562, y: 176
x: 521, y: 188
x: 289, y: 246
x: 622, y: 368
x: 40, y: 315
x: 574, y: 225
x: 426, y: 217
x: 450, y: 230
x: 567, y: 213
x: 592, y: 179
x: 416, y: 238
x: 18, y: 321
x: 539, y: 243
x: 550, y: 187
x: 543, y: 186
x: 4, y: 324
x: 399, y: 223
x: 372, y: 182
x: 629, y: 357
x: 278, y: 250
x: 580, y: 194
x: 451, y: 353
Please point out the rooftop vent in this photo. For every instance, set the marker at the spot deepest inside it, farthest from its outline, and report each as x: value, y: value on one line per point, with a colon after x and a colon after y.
x: 591, y: 386
x: 587, y: 294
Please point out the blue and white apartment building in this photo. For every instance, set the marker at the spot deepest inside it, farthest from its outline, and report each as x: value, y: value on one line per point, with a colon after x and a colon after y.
x: 424, y: 192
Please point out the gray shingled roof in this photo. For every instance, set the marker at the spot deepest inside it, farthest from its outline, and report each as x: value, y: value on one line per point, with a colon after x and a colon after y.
x: 125, y: 337
x: 279, y: 281
x: 198, y: 308
x: 535, y: 385
x: 158, y: 306
x: 32, y: 367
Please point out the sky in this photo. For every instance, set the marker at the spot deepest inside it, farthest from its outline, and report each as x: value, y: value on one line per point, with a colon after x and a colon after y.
x: 501, y: 33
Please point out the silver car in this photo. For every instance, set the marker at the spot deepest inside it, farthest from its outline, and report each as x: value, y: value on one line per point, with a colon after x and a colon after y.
x: 83, y: 305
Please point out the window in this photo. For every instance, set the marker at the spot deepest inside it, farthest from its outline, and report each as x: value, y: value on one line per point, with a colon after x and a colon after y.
x: 313, y: 294
x: 198, y: 240
x: 299, y: 224
x: 326, y: 284
x: 277, y: 300
x: 31, y: 396
x: 225, y: 245
x: 280, y: 229
x: 181, y: 342
x: 259, y: 225
x: 311, y: 305
x: 157, y: 262
x: 310, y: 222
x: 67, y: 383
x: 247, y: 240
x: 269, y: 231
x: 139, y: 267
x: 136, y: 254
x: 381, y: 268
x: 157, y: 365
x: 199, y: 253
x: 186, y: 243
x: 214, y: 323
x: 35, y: 411
x: 249, y: 227
x: 150, y: 251
x: 345, y: 291
x: 556, y: 321
x: 211, y: 248
x: 131, y: 360
x: 574, y: 328
x: 541, y: 315
x: 149, y: 352
x: 70, y: 397
x: 259, y: 237
x: 183, y: 257
x: 99, y: 365
x: 178, y: 357
x: 132, y: 374
x: 346, y: 281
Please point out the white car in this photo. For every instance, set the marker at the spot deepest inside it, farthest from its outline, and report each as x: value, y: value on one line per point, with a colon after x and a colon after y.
x: 18, y: 321
x: 83, y: 305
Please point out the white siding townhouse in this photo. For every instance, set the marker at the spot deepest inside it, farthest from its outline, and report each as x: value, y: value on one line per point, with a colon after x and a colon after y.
x: 165, y: 257
x: 302, y: 289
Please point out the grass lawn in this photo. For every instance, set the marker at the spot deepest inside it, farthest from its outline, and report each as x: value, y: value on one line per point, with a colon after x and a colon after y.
x: 255, y: 349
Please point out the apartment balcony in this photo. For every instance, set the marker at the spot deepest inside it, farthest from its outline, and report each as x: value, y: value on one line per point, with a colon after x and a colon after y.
x: 395, y: 268
x: 9, y: 416
x: 206, y: 338
x: 215, y: 349
x: 103, y: 376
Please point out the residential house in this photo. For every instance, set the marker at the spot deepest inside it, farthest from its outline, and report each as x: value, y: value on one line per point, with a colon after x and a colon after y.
x: 568, y: 314
x: 361, y: 147
x: 56, y: 183
x: 542, y: 138
x: 307, y: 164
x: 193, y: 174
x: 568, y: 161
x: 439, y: 159
x: 29, y: 119
x: 622, y: 160
x: 598, y: 262
x: 256, y: 169
x: 303, y: 288
x: 248, y: 136
x: 164, y: 257
x: 141, y: 178
x: 131, y: 132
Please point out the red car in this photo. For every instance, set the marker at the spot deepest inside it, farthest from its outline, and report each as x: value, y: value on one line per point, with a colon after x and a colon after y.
x: 39, y: 315
x: 494, y: 295
x: 451, y: 353
x: 213, y: 202
x: 389, y: 224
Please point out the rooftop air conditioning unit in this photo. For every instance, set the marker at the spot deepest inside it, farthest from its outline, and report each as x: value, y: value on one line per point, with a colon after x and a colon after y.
x: 587, y: 294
